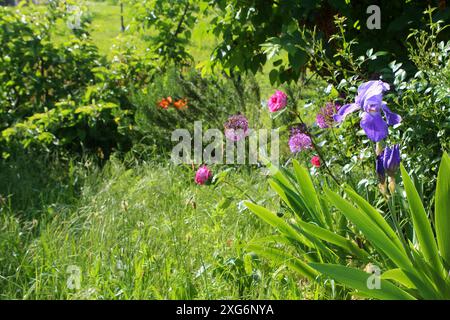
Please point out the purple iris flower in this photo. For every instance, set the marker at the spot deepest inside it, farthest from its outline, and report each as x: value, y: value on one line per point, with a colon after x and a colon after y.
x: 391, y: 160
x: 370, y: 100
x: 381, y: 173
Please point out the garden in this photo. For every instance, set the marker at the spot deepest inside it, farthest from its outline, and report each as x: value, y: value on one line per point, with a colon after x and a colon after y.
x: 224, y: 150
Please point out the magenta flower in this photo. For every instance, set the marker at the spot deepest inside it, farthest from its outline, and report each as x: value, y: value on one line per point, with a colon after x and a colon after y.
x: 236, y: 128
x: 324, y: 118
x: 370, y: 100
x: 299, y: 141
x: 203, y: 175
x: 277, y: 101
x: 315, y: 161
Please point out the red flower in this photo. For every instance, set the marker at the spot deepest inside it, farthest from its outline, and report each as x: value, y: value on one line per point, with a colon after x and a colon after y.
x: 315, y: 161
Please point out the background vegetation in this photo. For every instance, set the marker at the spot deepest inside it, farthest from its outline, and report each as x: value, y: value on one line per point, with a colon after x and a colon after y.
x: 86, y: 179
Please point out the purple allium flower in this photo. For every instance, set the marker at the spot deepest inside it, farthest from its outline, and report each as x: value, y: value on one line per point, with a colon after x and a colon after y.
x: 203, y: 175
x: 277, y: 101
x: 236, y: 128
x: 324, y: 118
x: 391, y: 160
x: 370, y: 100
x: 299, y: 141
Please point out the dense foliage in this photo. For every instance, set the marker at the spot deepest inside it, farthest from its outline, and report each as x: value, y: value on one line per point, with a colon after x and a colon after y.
x: 254, y: 32
x: 360, y: 195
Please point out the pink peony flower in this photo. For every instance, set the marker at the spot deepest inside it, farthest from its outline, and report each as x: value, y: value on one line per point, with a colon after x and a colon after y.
x: 277, y: 102
x: 315, y: 161
x: 203, y: 175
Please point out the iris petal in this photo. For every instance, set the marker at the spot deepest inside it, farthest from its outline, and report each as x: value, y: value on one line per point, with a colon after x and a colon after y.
x: 374, y: 126
x: 345, y: 110
x: 391, y: 117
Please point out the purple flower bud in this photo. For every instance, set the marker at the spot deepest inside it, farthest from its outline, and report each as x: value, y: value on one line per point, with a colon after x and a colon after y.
x: 391, y: 160
x: 381, y: 173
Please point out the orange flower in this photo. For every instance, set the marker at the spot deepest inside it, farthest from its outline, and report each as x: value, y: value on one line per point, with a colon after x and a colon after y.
x: 180, y: 104
x: 164, y: 103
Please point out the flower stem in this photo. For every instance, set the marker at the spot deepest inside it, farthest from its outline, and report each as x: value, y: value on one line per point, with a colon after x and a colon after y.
x: 317, y: 149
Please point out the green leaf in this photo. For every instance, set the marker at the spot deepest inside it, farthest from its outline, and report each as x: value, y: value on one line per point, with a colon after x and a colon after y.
x: 375, y: 216
x: 358, y: 280
x: 278, y: 223
x: 370, y: 230
x: 442, y: 209
x: 421, y: 223
x: 399, y: 276
x: 333, y: 238
x: 281, y: 257
x: 308, y: 192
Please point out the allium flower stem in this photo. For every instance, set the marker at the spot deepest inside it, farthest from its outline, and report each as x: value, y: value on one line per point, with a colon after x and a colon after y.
x: 315, y: 147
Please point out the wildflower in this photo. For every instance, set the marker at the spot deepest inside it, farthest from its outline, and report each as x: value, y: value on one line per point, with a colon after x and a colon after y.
x: 180, y: 104
x: 203, y: 175
x: 277, y: 101
x: 370, y: 100
x: 165, y: 102
x: 236, y: 128
x: 315, y: 161
x: 324, y: 118
x: 299, y: 142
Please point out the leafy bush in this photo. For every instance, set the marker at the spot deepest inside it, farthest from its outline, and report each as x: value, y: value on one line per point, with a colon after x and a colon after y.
x: 66, y: 96
x: 254, y: 32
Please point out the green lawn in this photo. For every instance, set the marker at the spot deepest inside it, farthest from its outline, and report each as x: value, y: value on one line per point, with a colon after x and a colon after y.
x: 143, y: 233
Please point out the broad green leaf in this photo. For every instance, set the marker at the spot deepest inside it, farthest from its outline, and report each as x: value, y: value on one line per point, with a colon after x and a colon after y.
x: 333, y: 238
x: 375, y: 216
x: 358, y: 280
x: 288, y: 196
x: 399, y: 276
x: 277, y: 173
x: 309, y: 194
x: 442, y: 209
x: 422, y: 226
x: 370, y: 230
x: 278, y: 223
x: 282, y: 257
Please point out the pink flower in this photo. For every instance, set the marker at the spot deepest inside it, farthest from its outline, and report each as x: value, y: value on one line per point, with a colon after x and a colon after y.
x: 203, y: 175
x: 315, y: 161
x: 277, y: 102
